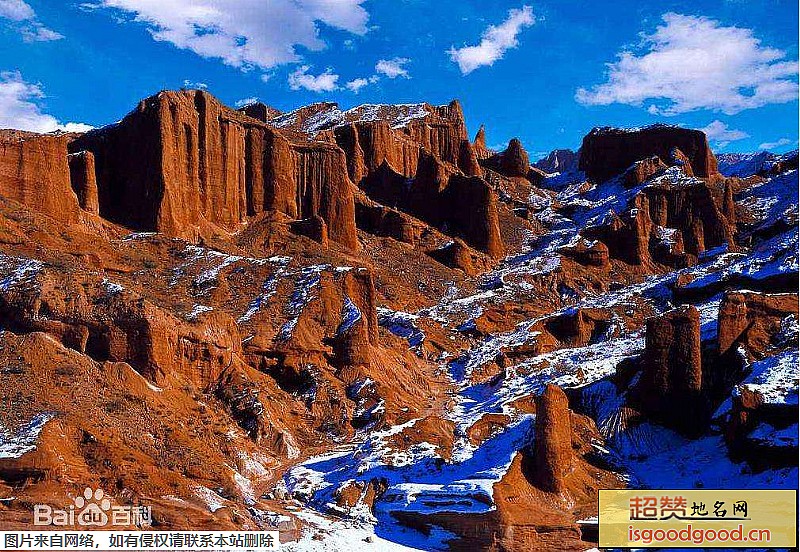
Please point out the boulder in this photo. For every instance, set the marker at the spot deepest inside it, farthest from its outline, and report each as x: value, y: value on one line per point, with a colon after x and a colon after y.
x: 607, y: 152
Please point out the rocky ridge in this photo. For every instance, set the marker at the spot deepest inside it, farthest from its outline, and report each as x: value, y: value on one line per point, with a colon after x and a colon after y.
x: 384, y: 330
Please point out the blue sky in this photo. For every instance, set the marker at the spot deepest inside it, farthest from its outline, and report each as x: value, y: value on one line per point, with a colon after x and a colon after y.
x: 545, y: 71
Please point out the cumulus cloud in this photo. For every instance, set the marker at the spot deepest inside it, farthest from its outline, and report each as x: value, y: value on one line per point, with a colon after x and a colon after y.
x: 243, y: 33
x: 393, y: 68
x: 495, y: 40
x: 16, y: 10
x: 722, y: 135
x: 19, y: 107
x: 24, y: 19
x: 324, y: 82
x: 356, y: 84
x: 776, y: 144
x: 692, y: 63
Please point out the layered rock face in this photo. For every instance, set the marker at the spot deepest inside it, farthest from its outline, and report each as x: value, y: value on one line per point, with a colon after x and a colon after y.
x: 554, y: 458
x: 34, y: 171
x: 439, y: 194
x: 642, y: 170
x: 607, y: 152
x: 84, y: 180
x: 428, y: 148
x: 185, y: 165
x: 751, y: 320
x: 672, y: 377
x: 670, y: 223
x: 182, y: 161
x: 758, y: 330
x: 124, y: 327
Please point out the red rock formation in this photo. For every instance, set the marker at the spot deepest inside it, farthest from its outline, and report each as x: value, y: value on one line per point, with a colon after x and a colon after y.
x: 382, y: 221
x: 669, y: 224
x: 479, y: 144
x: 672, y: 376
x: 697, y: 210
x: 514, y: 160
x: 84, y: 181
x: 313, y: 227
x: 441, y: 132
x: 607, y: 152
x: 371, y: 144
x: 459, y: 256
x: 679, y: 158
x: 182, y: 160
x: 554, y: 459
x: 120, y: 326
x: 468, y: 160
x: 34, y: 171
x: 260, y: 111
x: 627, y: 236
x: 473, y: 213
x: 642, y: 170
x: 752, y: 320
x: 324, y: 188
x: 458, y: 205
x: 589, y: 253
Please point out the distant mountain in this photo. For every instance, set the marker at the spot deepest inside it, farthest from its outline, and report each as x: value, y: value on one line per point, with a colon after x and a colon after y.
x: 747, y: 164
x: 558, y: 161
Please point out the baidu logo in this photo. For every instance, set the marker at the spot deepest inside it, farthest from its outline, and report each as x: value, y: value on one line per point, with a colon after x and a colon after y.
x: 92, y: 509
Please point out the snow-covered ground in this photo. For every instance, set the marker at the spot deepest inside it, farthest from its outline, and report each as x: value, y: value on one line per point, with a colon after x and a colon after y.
x: 419, y: 480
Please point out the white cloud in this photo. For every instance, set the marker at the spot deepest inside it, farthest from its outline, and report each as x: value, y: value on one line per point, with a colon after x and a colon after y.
x: 495, y: 40
x: 324, y: 82
x: 195, y: 85
x: 19, y: 108
x: 26, y: 22
x: 776, y: 144
x: 356, y: 84
x: 16, y: 10
x: 243, y: 33
x: 246, y: 101
x: 692, y: 63
x: 719, y: 133
x: 393, y: 68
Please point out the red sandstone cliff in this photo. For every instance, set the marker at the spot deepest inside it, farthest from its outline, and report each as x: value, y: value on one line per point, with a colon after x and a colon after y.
x: 182, y: 160
x: 607, y: 152
x: 34, y: 171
